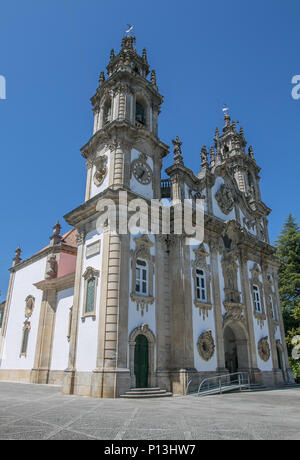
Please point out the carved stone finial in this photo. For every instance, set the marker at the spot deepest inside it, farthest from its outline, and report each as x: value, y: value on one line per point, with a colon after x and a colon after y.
x: 203, y: 154
x: 17, y: 259
x: 234, y: 126
x: 144, y: 54
x: 56, y: 238
x: 57, y: 229
x: 212, y: 156
x: 101, y: 79
x: 227, y: 120
x: 251, y: 153
x: 217, y: 132
x: 178, y: 159
x: 241, y: 131
x: 112, y: 54
x: 153, y: 77
x: 52, y: 272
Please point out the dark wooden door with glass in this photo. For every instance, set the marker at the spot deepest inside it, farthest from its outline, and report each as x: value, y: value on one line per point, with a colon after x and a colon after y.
x: 141, y: 361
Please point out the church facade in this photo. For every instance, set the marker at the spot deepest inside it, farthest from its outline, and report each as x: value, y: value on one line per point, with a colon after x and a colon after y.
x: 99, y: 311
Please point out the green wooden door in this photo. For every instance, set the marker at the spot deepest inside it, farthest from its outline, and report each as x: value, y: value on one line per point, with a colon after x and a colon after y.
x: 141, y: 362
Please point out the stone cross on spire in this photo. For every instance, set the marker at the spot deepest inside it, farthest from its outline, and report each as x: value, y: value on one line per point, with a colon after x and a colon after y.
x: 178, y: 158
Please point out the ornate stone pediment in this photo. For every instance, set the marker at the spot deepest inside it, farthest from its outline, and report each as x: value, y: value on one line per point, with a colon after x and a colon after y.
x: 225, y: 198
x: 234, y: 312
x: 206, y: 346
x: 264, y: 349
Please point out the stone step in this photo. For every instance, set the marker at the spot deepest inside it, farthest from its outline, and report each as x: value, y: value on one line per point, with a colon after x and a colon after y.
x: 136, y: 393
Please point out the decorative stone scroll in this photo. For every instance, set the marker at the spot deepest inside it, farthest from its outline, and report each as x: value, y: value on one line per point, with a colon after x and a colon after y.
x: 264, y: 349
x: 101, y: 170
x: 225, y: 198
x: 206, y: 346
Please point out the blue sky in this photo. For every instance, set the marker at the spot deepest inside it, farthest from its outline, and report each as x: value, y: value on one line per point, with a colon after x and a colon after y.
x: 206, y: 53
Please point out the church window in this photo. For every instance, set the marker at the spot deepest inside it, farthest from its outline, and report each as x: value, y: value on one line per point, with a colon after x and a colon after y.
x: 256, y: 298
x: 90, y: 296
x: 141, y: 277
x: 90, y: 290
x: 107, y: 112
x: 201, y: 286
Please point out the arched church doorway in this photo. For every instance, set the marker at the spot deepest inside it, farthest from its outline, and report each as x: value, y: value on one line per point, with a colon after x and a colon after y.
x: 141, y: 361
x: 236, y: 348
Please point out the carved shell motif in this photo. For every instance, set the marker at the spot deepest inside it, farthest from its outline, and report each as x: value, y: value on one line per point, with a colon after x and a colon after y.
x: 264, y: 349
x: 206, y: 346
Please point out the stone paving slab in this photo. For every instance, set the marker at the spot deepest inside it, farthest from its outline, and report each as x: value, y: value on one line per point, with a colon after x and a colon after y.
x: 41, y: 412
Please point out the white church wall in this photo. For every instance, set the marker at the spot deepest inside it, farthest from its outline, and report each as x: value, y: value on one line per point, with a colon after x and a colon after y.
x: 88, y: 329
x: 201, y: 325
x: 23, y: 287
x: 216, y: 210
x: 144, y: 190
x: 60, y: 350
x: 259, y: 331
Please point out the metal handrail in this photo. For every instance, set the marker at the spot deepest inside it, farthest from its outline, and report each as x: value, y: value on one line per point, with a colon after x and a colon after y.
x: 218, y: 378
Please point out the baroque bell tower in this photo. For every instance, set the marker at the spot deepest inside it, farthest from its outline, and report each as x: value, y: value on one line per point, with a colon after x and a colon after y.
x: 123, y: 154
x: 125, y: 151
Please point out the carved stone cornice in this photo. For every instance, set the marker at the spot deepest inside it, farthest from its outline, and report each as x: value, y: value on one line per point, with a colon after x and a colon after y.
x: 142, y: 302
x: 234, y: 312
x: 203, y: 308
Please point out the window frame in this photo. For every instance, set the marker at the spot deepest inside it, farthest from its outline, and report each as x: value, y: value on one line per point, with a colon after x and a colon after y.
x: 90, y: 274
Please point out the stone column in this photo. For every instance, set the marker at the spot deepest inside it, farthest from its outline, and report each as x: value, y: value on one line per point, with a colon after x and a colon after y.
x: 43, y: 351
x: 6, y: 311
x: 163, y: 320
x: 111, y: 377
x: 217, y: 307
x: 289, y: 372
x: 271, y: 329
x: 243, y: 259
x: 182, y: 314
x: 69, y: 376
x: 89, y: 167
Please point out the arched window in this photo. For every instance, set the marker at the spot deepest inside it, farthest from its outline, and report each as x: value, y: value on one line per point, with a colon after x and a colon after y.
x: 256, y: 299
x: 141, y: 277
x: 140, y: 115
x: 107, y: 112
x: 201, y: 286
